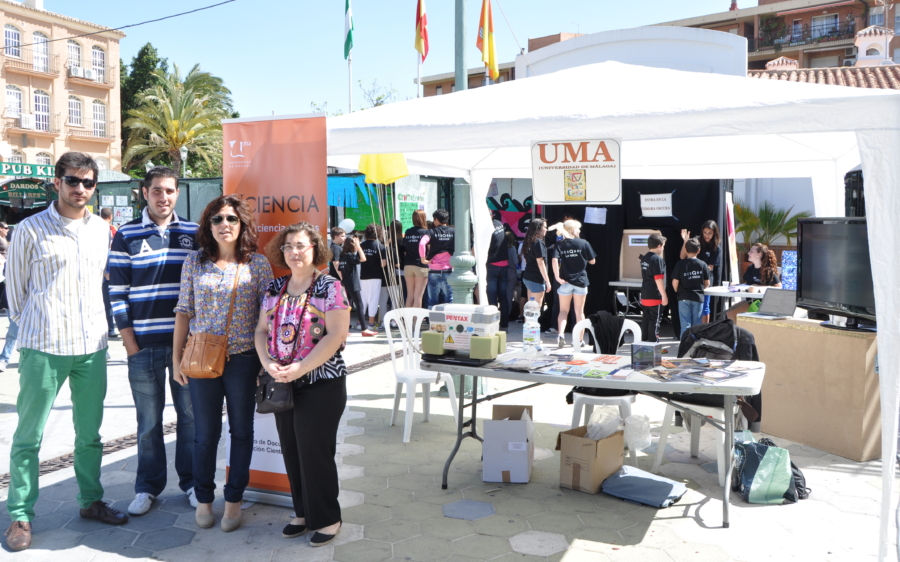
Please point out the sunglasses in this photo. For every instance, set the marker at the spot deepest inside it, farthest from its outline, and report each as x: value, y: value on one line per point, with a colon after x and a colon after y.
x: 73, y: 181
x: 232, y: 219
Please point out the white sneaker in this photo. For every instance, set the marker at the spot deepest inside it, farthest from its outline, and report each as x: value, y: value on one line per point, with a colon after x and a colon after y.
x: 192, y: 497
x: 141, y: 503
x: 3, y: 365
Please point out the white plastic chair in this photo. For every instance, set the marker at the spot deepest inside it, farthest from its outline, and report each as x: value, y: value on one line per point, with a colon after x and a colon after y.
x: 587, y: 402
x: 406, y: 368
x: 711, y: 411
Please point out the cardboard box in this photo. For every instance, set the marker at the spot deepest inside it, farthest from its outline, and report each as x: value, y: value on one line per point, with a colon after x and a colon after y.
x: 584, y: 463
x: 634, y: 245
x: 508, y: 448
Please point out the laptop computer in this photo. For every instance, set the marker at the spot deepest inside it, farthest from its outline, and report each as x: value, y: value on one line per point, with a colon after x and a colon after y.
x: 776, y: 303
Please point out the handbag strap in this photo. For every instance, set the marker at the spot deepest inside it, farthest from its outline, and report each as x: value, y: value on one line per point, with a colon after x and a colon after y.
x: 237, y: 277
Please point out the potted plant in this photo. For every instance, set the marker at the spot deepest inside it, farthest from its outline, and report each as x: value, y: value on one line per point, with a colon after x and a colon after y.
x: 765, y: 225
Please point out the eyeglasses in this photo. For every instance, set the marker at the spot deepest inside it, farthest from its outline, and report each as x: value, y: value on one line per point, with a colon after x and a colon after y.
x: 232, y: 219
x: 73, y: 181
x: 290, y: 248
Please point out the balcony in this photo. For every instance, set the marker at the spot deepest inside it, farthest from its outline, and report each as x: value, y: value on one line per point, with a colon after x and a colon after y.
x: 804, y: 35
x: 28, y: 61
x: 35, y: 124
x: 92, y: 75
x: 92, y: 130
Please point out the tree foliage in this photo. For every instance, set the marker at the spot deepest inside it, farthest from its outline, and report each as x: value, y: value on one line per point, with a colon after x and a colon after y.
x: 766, y: 224
x: 176, y: 112
x: 377, y: 95
x: 137, y: 77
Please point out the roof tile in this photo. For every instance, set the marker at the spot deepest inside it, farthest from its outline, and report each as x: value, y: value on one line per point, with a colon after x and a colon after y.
x: 876, y: 77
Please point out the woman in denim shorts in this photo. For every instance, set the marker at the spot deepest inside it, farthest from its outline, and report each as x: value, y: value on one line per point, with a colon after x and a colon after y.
x: 570, y: 258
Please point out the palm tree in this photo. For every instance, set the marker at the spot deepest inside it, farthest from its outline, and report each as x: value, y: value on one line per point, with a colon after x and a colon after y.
x: 767, y: 224
x: 175, y: 113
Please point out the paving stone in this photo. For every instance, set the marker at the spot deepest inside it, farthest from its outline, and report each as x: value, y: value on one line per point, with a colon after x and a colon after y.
x: 365, y: 459
x: 652, y: 537
x: 151, y: 521
x: 595, y: 540
x: 501, y: 525
x: 387, y: 470
x: 571, y: 501
x: 363, y: 551
x: 535, y: 491
x: 349, y: 498
x: 520, y: 506
x: 301, y: 550
x: 538, y: 543
x: 165, y: 538
x: 364, y: 439
x: 118, y: 492
x: 109, y: 539
x: 389, y: 497
x: 468, y: 509
x: 437, y: 495
x: 56, y: 539
x: 636, y: 554
x: 407, y: 458
x: 364, y: 484
x: 517, y: 557
x: 53, y: 522
x: 347, y: 449
x: 416, y: 511
x: 411, y: 482
x: 480, y: 545
x: 694, y: 552
x: 348, y: 471
x: 612, y: 520
x: 447, y: 528
x: 578, y: 555
x: 59, y: 492
x: 422, y: 548
x: 131, y: 552
x: 391, y: 530
x: 44, y: 506
x: 433, y: 469
x: 389, y: 448
x: 365, y: 514
x: 554, y: 522
x: 177, y: 504
x: 117, y: 477
x: 432, y: 444
x: 488, y: 492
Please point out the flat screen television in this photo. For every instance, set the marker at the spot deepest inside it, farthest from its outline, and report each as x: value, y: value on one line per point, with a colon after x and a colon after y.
x: 834, y: 273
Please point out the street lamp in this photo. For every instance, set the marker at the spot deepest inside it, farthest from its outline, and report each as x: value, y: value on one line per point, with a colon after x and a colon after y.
x: 184, y: 154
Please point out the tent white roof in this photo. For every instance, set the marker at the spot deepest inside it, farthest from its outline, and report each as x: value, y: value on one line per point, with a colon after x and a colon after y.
x: 673, y: 125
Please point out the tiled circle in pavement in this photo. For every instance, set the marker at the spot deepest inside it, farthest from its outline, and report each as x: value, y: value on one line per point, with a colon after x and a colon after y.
x: 469, y: 510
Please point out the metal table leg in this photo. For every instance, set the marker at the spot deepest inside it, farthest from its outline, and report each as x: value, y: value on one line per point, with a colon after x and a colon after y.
x: 459, y: 427
x: 729, y: 457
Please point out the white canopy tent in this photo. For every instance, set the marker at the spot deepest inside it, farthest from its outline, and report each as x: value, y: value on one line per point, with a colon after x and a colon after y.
x: 674, y: 125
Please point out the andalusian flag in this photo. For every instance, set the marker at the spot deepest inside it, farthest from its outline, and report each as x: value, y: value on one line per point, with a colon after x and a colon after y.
x: 421, y: 30
x: 348, y: 30
x: 485, y: 42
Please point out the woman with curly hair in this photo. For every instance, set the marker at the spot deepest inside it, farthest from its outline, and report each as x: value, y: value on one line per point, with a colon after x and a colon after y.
x: 763, y: 269
x: 535, y: 277
x: 302, y: 328
x: 225, y: 263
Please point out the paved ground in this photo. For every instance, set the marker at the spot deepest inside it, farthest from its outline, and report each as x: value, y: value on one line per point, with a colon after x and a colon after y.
x: 395, y: 509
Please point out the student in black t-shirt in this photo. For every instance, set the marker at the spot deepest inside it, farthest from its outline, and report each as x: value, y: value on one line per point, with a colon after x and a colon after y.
x: 763, y: 270
x: 497, y: 274
x: 689, y: 279
x: 535, y: 277
x: 570, y: 258
x: 711, y: 255
x: 414, y: 271
x: 338, y: 235
x: 653, y: 287
x: 371, y: 276
x: 351, y: 256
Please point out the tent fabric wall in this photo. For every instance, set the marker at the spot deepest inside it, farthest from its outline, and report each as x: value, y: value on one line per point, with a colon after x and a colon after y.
x: 674, y: 125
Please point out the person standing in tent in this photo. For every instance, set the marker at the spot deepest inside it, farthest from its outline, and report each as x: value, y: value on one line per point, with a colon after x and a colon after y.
x: 371, y: 276
x: 710, y: 254
x: 435, y: 250
x: 497, y: 274
x: 653, y: 287
x: 338, y: 235
x: 569, y: 262
x: 351, y: 256
x: 414, y: 271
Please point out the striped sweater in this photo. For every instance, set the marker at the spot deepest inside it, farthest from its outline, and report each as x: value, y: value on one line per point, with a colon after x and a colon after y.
x: 145, y: 276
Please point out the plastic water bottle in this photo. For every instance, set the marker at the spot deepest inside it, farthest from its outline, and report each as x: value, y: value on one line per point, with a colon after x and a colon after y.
x: 531, y: 331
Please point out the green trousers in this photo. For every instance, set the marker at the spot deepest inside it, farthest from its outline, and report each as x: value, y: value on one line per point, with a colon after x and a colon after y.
x: 41, y: 375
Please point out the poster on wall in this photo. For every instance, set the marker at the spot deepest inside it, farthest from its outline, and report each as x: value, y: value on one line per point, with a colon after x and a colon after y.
x: 277, y: 165
x: 656, y: 205
x: 107, y: 201
x: 122, y: 214
x: 121, y: 200
x: 577, y: 171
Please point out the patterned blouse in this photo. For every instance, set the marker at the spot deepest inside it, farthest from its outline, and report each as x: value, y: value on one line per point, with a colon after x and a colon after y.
x: 206, y: 293
x: 293, y: 341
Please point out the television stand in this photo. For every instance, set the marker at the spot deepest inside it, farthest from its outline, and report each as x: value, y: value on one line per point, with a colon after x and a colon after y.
x: 850, y: 324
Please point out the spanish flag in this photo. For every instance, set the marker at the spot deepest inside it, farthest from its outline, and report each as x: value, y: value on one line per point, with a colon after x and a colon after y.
x: 485, y: 42
x: 421, y: 30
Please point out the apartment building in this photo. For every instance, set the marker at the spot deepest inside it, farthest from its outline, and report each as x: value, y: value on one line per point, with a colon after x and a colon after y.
x: 60, y: 79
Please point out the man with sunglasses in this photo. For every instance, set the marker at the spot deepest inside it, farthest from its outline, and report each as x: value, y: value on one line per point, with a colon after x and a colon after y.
x: 144, y: 278
x: 57, y: 259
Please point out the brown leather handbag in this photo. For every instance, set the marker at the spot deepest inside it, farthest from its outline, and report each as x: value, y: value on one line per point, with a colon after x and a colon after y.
x: 205, y: 355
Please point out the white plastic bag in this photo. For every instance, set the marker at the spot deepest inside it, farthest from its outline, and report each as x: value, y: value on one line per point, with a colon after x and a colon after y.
x: 637, y: 432
x: 604, y: 422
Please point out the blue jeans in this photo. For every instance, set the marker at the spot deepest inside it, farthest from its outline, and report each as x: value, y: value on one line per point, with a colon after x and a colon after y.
x: 437, y: 284
x: 237, y: 386
x: 148, y: 371
x: 689, y: 314
x: 12, y: 335
x: 497, y: 281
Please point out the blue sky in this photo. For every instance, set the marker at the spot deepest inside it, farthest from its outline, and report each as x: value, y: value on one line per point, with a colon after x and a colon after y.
x: 281, y: 55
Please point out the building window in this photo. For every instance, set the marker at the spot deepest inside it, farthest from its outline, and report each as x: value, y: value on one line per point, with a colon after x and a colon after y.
x: 12, y: 41
x: 99, y: 115
x: 41, y: 110
x: 102, y: 162
x: 873, y: 52
x: 824, y: 25
x: 17, y: 158
x: 876, y: 15
x: 439, y: 91
x: 76, y: 111
x: 98, y: 63
x: 13, y: 101
x: 897, y: 19
x: 797, y: 30
x: 453, y: 87
x: 41, y: 50
x: 44, y: 159
x: 74, y: 54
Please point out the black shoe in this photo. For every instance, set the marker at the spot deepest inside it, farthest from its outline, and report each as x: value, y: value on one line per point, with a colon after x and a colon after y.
x: 291, y: 531
x: 321, y: 539
x: 102, y: 512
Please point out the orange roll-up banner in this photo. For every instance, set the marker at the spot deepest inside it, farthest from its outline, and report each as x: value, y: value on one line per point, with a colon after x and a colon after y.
x: 277, y: 165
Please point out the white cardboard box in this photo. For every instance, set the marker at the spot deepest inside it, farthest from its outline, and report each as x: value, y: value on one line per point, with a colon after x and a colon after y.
x: 508, y: 448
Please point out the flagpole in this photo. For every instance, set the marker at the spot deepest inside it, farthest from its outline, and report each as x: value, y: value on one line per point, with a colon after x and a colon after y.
x: 419, y: 91
x: 350, y: 81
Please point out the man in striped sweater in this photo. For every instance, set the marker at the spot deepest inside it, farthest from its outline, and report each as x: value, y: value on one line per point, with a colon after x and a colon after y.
x: 144, y: 278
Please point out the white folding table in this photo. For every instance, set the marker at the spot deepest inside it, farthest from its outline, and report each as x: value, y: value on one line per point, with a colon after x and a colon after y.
x: 745, y: 386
